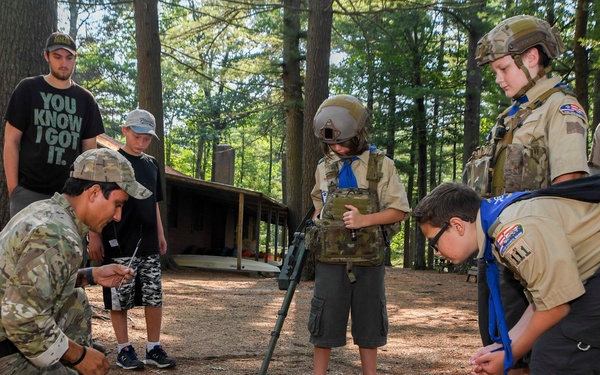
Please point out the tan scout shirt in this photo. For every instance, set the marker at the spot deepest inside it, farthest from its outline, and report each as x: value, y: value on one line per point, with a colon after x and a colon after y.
x: 558, y: 127
x: 390, y: 189
x: 551, y: 244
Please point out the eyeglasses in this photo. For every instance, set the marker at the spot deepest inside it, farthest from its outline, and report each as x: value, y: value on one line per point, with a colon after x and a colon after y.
x: 433, y: 242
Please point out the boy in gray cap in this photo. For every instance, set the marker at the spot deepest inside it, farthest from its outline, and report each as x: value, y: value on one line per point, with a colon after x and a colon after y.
x: 138, y: 240
x: 46, y: 325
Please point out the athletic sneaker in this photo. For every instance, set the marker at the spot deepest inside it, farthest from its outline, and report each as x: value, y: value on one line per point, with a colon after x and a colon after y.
x: 158, y: 357
x: 128, y: 360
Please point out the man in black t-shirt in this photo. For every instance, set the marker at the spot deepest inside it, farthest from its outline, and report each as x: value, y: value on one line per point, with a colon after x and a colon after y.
x: 50, y: 120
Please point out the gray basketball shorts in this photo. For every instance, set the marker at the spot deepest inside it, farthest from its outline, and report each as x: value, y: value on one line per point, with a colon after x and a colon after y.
x: 22, y: 197
x: 144, y: 289
x: 335, y: 299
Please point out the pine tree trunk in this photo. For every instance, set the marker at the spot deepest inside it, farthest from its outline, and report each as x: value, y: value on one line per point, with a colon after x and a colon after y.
x: 24, y: 28
x: 147, y: 39
x: 292, y: 95
x: 320, y: 18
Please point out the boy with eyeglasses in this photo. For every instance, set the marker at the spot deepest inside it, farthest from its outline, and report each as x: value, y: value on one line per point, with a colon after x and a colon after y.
x: 552, y: 246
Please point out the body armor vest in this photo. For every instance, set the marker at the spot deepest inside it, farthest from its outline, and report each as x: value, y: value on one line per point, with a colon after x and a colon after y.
x: 500, y: 166
x: 330, y: 240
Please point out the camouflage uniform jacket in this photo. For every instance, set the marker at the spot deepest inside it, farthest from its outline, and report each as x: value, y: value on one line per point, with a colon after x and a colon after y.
x: 41, y: 250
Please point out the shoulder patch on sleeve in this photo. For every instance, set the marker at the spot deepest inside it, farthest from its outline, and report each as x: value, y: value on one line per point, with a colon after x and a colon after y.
x: 573, y: 109
x: 517, y: 252
x: 575, y: 127
x: 507, y: 237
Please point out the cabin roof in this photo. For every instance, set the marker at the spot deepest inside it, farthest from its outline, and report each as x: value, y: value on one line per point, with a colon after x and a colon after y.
x: 226, y: 194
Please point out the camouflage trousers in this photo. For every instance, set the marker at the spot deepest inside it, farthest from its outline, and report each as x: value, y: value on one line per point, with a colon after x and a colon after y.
x: 75, y: 320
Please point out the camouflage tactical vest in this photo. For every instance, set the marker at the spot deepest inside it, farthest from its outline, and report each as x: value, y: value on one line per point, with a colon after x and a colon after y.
x: 330, y: 240
x: 500, y: 166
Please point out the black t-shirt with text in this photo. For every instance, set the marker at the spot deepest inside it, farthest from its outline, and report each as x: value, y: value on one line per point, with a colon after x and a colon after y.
x: 54, y: 122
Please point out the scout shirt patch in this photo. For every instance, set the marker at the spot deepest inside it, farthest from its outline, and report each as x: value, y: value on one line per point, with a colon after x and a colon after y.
x: 573, y: 109
x: 507, y: 237
x: 512, y: 246
x: 574, y: 127
x: 517, y: 252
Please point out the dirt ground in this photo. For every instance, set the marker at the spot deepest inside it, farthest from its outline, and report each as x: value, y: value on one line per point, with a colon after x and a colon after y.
x: 221, y: 323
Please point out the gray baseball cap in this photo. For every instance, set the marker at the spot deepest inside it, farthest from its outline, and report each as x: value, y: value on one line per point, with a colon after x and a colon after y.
x: 106, y: 165
x: 141, y: 122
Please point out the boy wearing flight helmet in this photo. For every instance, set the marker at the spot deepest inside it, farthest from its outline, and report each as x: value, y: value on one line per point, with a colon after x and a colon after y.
x: 357, y: 196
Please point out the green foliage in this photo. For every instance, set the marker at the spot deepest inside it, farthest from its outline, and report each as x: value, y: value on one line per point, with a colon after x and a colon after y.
x: 397, y: 250
x: 107, y: 63
x: 221, y: 81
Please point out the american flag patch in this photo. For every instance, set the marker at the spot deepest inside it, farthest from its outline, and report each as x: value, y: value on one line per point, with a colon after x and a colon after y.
x: 507, y: 237
x: 573, y: 109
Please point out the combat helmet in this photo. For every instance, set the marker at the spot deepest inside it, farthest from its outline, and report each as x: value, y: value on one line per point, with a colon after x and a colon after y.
x: 517, y: 34
x: 514, y: 36
x: 340, y: 118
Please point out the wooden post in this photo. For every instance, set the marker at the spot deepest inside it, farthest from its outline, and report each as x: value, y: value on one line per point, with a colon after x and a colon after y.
x: 240, y: 231
x: 257, y: 228
x: 268, y: 240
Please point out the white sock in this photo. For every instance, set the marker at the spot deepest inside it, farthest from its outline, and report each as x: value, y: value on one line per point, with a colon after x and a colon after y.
x: 151, y: 345
x: 121, y: 346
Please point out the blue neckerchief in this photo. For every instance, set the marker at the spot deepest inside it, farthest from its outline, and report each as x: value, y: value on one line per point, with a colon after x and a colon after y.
x: 517, y: 104
x: 489, y: 211
x: 525, y: 99
x: 346, y: 178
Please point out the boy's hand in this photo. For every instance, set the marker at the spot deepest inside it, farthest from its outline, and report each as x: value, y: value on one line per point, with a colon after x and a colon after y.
x: 353, y: 219
x: 95, y: 248
x: 488, y: 360
x: 162, y: 244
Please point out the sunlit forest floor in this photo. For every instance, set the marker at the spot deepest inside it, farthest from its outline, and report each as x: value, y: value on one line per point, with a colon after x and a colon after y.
x: 221, y: 323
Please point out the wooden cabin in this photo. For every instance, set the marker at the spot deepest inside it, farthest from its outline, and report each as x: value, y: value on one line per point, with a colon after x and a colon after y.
x: 208, y: 218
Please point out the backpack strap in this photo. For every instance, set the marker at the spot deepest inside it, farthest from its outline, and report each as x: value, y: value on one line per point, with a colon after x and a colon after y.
x: 522, y: 114
x: 586, y: 189
x: 375, y: 168
x: 332, y: 173
x: 489, y: 210
x: 536, y: 104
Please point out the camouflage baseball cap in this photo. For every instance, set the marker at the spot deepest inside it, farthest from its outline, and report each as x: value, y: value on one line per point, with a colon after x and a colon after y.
x: 517, y: 34
x: 340, y: 118
x: 105, y: 165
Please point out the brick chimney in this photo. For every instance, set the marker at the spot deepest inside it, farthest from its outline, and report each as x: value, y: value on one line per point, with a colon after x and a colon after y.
x: 224, y: 164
